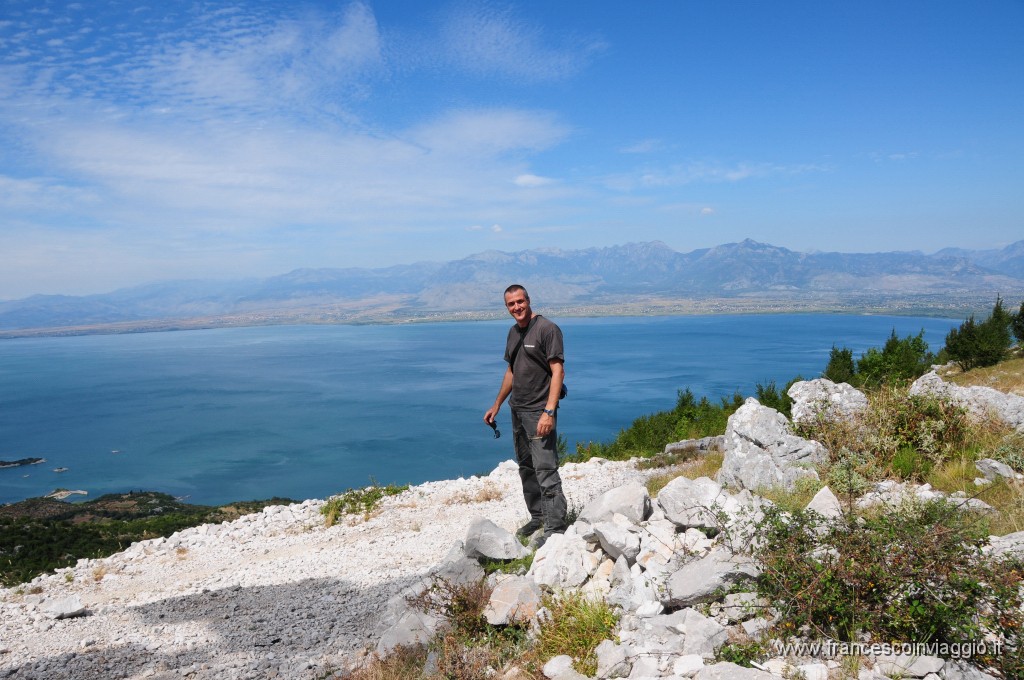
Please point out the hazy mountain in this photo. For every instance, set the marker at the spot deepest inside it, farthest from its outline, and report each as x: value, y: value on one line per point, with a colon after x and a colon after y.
x: 616, y: 274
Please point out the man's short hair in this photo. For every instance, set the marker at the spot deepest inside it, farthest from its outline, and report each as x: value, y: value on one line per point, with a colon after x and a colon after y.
x: 514, y: 287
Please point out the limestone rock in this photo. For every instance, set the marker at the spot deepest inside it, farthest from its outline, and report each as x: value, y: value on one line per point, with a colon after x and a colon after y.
x: 980, y: 401
x: 695, y: 503
x: 826, y: 504
x: 562, y: 562
x: 825, y: 400
x: 992, y: 469
x: 908, y: 666
x: 630, y: 500
x: 761, y: 450
x: 702, y: 580
x: 617, y: 540
x: 696, y: 446
x: 731, y: 671
x: 611, y: 660
x: 63, y: 607
x: 513, y: 599
x: 486, y: 539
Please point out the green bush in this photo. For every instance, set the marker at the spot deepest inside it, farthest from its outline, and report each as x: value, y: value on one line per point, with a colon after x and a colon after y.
x: 690, y: 419
x: 899, y: 361
x: 357, y: 501
x: 916, y: 574
x: 975, y: 345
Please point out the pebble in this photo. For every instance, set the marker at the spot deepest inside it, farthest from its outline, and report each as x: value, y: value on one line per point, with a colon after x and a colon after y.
x: 274, y: 593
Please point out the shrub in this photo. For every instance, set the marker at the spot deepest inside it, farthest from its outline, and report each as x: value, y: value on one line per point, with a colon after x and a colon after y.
x: 355, y: 501
x: 576, y: 626
x: 648, y: 435
x: 916, y: 574
x: 897, y: 432
x: 900, y: 360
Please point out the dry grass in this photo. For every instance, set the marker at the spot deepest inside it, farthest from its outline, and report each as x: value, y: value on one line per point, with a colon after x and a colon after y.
x: 1007, y: 376
x: 705, y: 466
x: 98, y: 573
x: 489, y: 492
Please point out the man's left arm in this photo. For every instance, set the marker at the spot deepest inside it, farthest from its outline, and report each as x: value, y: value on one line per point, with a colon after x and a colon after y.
x: 547, y: 423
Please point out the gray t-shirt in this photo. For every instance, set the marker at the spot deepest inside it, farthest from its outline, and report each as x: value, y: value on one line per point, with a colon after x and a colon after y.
x: 531, y: 380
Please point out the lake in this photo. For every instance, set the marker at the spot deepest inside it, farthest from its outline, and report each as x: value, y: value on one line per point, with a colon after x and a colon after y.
x: 308, y: 411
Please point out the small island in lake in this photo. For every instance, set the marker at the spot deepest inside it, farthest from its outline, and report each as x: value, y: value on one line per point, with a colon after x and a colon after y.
x: 20, y: 462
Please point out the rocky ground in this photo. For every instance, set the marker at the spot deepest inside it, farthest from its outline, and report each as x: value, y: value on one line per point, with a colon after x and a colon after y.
x: 274, y: 594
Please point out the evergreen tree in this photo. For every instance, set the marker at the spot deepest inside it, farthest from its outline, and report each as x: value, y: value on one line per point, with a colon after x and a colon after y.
x: 975, y: 345
x: 1017, y: 324
x: 840, y: 368
x: 900, y: 360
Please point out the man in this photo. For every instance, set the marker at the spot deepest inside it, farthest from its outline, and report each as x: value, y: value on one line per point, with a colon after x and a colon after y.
x: 534, y: 379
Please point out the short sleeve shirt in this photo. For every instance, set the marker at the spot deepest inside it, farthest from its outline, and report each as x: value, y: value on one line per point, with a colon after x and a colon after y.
x: 531, y: 380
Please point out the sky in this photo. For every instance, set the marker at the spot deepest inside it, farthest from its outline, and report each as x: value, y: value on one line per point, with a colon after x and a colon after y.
x: 143, y: 142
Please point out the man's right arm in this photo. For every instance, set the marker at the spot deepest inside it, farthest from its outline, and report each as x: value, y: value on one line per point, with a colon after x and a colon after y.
x: 503, y: 392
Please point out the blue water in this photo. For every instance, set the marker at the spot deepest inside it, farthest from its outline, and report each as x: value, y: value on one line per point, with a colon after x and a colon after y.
x: 307, y: 411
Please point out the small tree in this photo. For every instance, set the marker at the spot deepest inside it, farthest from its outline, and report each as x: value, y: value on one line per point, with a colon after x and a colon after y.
x: 1017, y: 324
x: 975, y: 345
x: 840, y: 367
x: 900, y: 360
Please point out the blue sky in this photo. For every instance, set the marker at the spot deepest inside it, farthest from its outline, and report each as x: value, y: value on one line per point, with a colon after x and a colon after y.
x: 227, y: 139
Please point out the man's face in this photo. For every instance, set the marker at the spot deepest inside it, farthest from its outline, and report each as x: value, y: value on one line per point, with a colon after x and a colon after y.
x: 518, y: 306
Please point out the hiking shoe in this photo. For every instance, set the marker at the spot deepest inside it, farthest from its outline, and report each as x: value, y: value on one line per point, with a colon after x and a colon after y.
x: 530, y: 528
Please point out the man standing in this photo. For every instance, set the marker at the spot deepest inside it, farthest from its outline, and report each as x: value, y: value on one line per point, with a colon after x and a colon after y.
x: 534, y: 378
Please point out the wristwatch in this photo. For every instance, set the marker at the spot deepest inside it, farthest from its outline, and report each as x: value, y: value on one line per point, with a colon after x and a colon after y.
x: 550, y: 412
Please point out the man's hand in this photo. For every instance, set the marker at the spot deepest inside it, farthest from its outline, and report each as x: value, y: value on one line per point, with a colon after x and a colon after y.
x: 491, y: 414
x: 545, y: 425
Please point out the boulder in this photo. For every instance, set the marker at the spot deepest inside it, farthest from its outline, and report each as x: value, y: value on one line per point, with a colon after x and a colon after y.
x: 823, y: 399
x: 696, y: 446
x: 705, y: 579
x: 979, y: 401
x: 731, y: 671
x: 63, y: 607
x: 908, y: 666
x: 826, y: 504
x: 611, y: 660
x: 514, y: 599
x: 617, y: 540
x: 701, y: 635
x: 992, y: 469
x: 696, y: 503
x: 563, y: 562
x: 761, y: 450
x: 486, y: 539
x: 630, y: 500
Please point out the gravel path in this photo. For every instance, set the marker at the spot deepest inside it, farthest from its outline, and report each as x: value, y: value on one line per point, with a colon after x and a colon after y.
x: 270, y: 595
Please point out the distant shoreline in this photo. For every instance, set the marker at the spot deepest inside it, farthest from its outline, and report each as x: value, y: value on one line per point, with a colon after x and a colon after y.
x: 939, y: 306
x: 21, y: 462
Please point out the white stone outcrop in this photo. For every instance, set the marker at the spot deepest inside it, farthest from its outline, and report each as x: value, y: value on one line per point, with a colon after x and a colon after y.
x: 761, y: 450
x: 982, y: 402
x: 822, y: 399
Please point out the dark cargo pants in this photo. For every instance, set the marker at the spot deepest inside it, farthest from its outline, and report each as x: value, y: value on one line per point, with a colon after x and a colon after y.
x: 538, y: 470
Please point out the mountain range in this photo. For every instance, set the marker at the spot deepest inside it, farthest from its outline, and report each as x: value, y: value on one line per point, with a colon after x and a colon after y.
x: 651, y: 273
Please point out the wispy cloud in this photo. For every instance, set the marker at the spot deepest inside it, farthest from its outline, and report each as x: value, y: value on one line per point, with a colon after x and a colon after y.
x: 489, y: 40
x: 689, y: 173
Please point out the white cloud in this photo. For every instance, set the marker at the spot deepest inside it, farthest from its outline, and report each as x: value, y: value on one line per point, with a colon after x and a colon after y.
x: 488, y: 40
x: 528, y: 180
x: 496, y: 228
